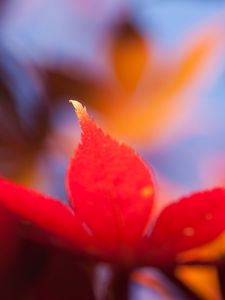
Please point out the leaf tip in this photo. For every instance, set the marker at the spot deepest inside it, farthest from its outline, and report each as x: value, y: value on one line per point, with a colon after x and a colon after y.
x: 79, y: 108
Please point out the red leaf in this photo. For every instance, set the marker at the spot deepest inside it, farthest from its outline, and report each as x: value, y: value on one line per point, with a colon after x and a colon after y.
x: 188, y: 223
x: 110, y: 186
x: 46, y: 212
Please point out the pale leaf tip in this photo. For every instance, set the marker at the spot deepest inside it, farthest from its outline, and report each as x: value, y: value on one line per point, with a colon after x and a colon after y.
x: 79, y: 108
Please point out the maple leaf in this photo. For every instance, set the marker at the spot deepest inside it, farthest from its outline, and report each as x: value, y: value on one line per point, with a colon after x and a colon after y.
x: 111, y: 195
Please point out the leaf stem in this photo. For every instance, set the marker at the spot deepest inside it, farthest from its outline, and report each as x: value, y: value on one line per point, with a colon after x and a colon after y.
x: 118, y: 288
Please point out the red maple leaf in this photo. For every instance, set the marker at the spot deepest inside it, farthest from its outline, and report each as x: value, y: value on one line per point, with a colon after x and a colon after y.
x: 112, y: 195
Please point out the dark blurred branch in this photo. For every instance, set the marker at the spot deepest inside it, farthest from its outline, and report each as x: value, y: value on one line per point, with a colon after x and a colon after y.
x: 221, y: 278
x: 118, y: 288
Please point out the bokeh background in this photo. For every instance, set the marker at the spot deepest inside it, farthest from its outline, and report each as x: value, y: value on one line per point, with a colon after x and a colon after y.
x: 152, y: 73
